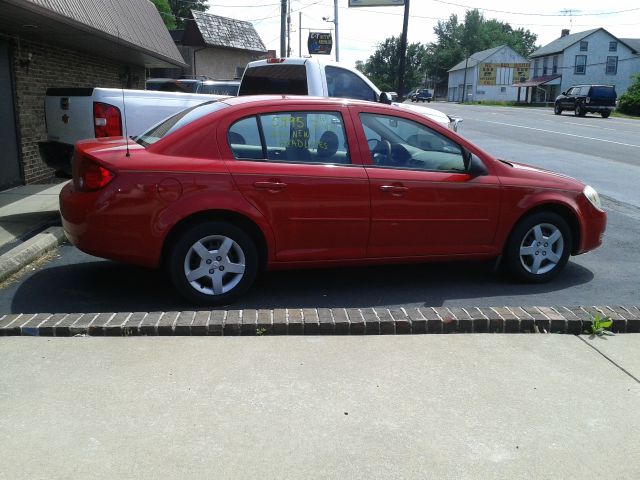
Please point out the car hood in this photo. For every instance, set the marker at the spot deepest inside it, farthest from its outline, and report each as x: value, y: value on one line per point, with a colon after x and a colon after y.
x: 436, y: 115
x: 553, y: 179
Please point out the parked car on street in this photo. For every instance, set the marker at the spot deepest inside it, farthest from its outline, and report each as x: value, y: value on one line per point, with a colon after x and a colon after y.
x: 422, y: 95
x: 583, y: 99
x: 221, y: 191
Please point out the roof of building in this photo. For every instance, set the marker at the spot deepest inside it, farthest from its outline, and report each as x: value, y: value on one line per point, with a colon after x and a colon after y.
x: 131, y: 30
x: 535, y: 81
x: 633, y: 43
x: 225, y: 32
x: 476, y: 58
x: 562, y: 43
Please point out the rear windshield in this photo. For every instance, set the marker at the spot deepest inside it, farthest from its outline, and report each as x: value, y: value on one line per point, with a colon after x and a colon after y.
x: 173, y: 86
x: 177, y: 121
x: 603, y: 92
x: 275, y: 79
x: 230, y: 89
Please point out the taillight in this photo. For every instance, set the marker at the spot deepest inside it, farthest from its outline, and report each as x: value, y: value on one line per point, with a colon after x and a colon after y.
x: 106, y: 120
x: 92, y: 176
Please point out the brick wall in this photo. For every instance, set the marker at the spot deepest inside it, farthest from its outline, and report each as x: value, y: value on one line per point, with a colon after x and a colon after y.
x: 50, y: 66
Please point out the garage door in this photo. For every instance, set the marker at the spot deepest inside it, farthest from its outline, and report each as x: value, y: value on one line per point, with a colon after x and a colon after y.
x: 9, y: 162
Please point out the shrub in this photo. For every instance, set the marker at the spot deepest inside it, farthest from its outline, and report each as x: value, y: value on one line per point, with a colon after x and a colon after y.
x: 629, y: 102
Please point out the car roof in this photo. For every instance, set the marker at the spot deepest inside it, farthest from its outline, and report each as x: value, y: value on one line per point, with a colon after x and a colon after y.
x: 299, y: 99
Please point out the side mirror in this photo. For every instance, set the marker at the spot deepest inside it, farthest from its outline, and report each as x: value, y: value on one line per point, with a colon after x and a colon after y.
x: 564, y: 93
x: 385, y: 98
x: 473, y: 164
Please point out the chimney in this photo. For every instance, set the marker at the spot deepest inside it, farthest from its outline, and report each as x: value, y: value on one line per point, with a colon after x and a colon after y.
x: 565, y: 32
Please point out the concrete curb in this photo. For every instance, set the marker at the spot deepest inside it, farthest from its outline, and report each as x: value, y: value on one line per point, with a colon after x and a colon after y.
x: 323, y: 321
x: 29, y: 251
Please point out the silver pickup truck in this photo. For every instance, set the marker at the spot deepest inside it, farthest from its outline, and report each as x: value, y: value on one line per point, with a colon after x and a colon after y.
x: 74, y: 114
x: 320, y: 78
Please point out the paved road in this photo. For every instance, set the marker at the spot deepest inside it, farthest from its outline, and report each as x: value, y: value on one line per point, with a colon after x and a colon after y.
x: 76, y: 282
x: 604, y: 153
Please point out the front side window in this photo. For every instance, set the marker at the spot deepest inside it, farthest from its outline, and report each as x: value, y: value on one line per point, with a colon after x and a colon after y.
x: 342, y: 83
x: 613, y: 46
x: 297, y: 137
x: 584, y: 46
x: 612, y: 65
x: 178, y: 120
x: 399, y: 143
x: 581, y: 65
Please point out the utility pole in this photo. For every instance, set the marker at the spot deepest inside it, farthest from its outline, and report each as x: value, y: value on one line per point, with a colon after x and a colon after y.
x: 299, y: 34
x: 335, y: 21
x: 289, y: 30
x: 403, y: 51
x: 464, y: 87
x: 283, y: 28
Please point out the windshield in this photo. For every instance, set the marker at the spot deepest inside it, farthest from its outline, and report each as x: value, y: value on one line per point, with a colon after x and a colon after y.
x: 177, y: 121
x: 230, y: 89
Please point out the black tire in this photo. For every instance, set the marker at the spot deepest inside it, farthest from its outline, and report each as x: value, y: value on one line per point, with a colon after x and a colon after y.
x: 210, y: 236
x: 523, y: 238
x: 605, y: 113
x: 580, y: 110
x: 557, y: 109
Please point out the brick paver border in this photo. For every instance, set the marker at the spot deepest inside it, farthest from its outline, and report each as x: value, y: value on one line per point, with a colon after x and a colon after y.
x: 323, y: 321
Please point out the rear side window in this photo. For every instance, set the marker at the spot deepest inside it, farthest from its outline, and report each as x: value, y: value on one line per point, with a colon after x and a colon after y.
x: 297, y: 137
x: 177, y: 121
x: 275, y: 79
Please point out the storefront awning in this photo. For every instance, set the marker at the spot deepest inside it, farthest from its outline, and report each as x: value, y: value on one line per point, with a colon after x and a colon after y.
x: 536, y: 81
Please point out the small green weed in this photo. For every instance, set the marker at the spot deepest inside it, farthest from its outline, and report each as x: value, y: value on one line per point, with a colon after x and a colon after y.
x: 599, y: 325
x: 260, y: 331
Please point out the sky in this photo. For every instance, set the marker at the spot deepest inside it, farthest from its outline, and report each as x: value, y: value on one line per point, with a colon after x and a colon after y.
x: 361, y: 29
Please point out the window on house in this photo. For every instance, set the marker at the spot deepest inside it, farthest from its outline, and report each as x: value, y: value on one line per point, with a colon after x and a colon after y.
x: 581, y: 65
x: 503, y: 89
x: 613, y: 46
x: 545, y: 66
x: 555, y: 65
x: 612, y: 65
x: 536, y: 67
x: 584, y: 46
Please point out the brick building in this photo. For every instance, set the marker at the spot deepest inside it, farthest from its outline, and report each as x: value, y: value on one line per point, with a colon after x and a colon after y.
x: 68, y: 43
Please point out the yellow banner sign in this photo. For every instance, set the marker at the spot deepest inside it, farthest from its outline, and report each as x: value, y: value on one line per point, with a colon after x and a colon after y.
x: 487, y: 75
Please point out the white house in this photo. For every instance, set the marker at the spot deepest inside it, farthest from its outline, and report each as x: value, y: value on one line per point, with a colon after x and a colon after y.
x: 591, y: 57
x: 489, y: 75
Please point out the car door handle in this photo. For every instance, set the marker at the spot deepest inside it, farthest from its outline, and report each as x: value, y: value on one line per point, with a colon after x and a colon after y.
x: 393, y: 188
x: 273, y: 185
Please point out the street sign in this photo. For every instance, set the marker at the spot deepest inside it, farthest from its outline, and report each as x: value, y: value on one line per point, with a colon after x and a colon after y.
x: 375, y: 3
x: 320, y: 43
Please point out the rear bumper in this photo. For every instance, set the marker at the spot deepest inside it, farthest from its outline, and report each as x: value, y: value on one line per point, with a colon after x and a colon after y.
x: 57, y: 156
x: 598, y: 108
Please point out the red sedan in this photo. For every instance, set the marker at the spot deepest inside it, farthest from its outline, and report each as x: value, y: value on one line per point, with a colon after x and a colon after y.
x: 220, y: 191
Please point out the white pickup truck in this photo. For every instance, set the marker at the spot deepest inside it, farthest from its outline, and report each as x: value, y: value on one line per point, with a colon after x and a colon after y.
x: 320, y: 78
x: 74, y: 114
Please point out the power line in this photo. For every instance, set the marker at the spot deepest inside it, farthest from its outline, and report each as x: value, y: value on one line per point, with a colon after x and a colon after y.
x: 536, y: 14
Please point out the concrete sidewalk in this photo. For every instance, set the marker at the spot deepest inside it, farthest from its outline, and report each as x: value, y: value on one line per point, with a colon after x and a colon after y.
x: 455, y: 406
x: 25, y: 213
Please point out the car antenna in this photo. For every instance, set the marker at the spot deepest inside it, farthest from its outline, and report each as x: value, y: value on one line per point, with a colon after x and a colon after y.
x: 124, y: 105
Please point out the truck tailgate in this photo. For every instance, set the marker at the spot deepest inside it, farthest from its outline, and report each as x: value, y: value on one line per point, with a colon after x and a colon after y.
x: 69, y: 114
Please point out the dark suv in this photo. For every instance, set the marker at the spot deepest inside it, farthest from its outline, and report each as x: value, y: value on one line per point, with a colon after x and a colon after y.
x: 583, y: 99
x: 421, y: 95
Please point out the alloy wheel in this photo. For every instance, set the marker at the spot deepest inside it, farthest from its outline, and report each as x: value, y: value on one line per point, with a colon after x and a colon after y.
x: 541, y: 248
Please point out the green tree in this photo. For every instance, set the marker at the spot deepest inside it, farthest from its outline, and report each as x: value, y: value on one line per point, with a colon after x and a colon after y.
x: 165, y: 12
x: 382, y: 66
x: 630, y: 100
x: 181, y: 9
x: 456, y: 40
